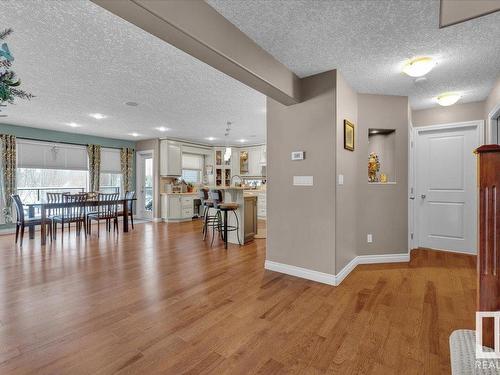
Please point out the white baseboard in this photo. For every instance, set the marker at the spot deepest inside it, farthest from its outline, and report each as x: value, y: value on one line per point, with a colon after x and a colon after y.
x: 330, y: 279
x: 303, y: 273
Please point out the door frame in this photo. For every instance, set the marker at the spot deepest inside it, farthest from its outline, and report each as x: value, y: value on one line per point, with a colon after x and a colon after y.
x: 413, y: 208
x: 490, y: 125
x: 138, y: 177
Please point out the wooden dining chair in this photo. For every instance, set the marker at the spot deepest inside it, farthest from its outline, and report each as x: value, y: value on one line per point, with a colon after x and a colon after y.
x: 129, y: 196
x: 74, y: 213
x: 107, y: 210
x: 22, y: 221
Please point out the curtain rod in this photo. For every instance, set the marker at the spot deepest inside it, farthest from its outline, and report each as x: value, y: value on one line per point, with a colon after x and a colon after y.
x: 67, y: 143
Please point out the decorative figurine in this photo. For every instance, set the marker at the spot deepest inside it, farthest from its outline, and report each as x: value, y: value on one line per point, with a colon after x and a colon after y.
x: 383, y: 178
x: 373, y: 167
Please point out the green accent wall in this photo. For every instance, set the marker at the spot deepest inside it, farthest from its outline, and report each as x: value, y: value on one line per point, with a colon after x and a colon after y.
x: 58, y: 136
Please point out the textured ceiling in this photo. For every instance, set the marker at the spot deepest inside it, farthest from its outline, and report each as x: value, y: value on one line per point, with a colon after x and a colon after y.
x: 79, y: 59
x: 368, y: 39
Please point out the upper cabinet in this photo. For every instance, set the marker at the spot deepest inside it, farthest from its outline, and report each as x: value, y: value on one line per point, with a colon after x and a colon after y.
x: 170, y: 158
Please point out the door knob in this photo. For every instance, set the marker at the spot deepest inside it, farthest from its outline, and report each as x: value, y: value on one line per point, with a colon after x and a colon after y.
x: 423, y: 196
x: 412, y: 197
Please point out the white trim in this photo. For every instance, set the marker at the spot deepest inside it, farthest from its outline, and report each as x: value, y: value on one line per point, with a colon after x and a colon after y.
x: 138, y: 172
x: 330, y: 279
x: 489, y: 124
x: 303, y: 273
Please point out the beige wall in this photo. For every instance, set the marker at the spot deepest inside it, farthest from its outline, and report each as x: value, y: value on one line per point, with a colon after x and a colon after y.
x: 153, y: 144
x: 382, y: 209
x: 346, y: 194
x: 445, y: 115
x: 301, y: 220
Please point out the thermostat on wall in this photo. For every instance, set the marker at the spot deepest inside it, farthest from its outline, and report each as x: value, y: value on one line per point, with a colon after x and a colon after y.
x: 298, y: 155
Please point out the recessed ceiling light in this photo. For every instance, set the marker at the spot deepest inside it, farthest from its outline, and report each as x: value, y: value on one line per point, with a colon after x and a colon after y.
x: 418, y: 66
x: 162, y: 129
x: 97, y: 116
x: 210, y: 138
x: 448, y: 98
x: 132, y: 104
x: 73, y: 124
x: 134, y: 134
x: 242, y: 141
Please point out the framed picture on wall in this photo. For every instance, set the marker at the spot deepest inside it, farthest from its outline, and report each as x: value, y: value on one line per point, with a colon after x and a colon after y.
x: 348, y: 136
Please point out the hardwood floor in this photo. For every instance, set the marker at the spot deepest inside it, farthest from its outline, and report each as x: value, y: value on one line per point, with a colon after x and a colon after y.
x: 160, y: 300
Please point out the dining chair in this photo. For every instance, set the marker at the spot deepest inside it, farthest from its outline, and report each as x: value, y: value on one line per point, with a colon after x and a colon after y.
x: 55, y: 198
x: 129, y: 196
x: 22, y: 221
x: 107, y: 209
x: 74, y: 213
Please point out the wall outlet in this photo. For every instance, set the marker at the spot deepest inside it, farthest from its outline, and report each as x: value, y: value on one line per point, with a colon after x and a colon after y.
x: 369, y: 238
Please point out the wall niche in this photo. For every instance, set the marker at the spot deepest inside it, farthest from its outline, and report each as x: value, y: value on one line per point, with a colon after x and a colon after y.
x: 381, y: 156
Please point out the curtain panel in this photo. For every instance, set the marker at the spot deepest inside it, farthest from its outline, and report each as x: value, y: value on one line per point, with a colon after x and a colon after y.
x: 94, y: 153
x: 8, y: 175
x: 126, y: 163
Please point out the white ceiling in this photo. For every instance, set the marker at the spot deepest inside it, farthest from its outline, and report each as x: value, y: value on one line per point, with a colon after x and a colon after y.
x: 78, y: 58
x: 367, y: 40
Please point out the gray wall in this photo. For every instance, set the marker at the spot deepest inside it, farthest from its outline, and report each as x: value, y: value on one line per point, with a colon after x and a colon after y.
x: 347, y: 164
x: 301, y: 220
x: 446, y: 115
x: 382, y: 209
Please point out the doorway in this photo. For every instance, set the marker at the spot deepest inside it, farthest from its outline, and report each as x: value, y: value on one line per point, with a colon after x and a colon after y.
x: 145, y: 178
x: 445, y: 199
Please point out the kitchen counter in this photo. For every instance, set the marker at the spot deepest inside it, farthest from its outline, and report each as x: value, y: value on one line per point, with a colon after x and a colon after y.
x: 192, y: 193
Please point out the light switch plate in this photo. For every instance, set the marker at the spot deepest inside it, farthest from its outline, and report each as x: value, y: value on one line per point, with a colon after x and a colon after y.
x: 303, y: 180
x: 369, y: 238
x: 341, y: 179
x: 298, y: 155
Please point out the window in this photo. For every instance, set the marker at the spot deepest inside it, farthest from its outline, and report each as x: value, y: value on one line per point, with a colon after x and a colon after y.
x: 50, y: 167
x: 111, y: 177
x: 192, y: 167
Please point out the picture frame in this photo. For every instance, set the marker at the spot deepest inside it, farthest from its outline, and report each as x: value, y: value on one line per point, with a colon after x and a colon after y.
x: 348, y: 135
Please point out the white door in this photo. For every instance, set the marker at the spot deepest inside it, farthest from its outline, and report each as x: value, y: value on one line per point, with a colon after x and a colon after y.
x: 145, y: 177
x: 446, y: 188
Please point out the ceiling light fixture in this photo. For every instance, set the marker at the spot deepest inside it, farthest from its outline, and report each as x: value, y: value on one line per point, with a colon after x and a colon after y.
x: 98, y: 116
x: 448, y: 98
x: 242, y: 140
x: 162, y: 129
x: 210, y: 138
x: 134, y: 134
x: 418, y: 66
x: 73, y: 124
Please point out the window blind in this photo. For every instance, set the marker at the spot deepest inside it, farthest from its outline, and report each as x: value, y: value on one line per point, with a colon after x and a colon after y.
x: 50, y: 155
x: 110, y: 160
x: 192, y: 161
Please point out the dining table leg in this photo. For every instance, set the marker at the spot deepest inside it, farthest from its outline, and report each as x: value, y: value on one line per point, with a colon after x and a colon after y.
x: 43, y: 225
x: 125, y: 216
x: 31, y: 227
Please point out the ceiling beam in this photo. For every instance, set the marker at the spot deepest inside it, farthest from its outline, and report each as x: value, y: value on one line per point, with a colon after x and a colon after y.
x: 199, y: 30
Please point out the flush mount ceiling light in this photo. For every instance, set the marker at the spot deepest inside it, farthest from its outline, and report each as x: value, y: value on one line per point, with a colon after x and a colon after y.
x: 134, y: 134
x: 448, y: 98
x: 73, y: 124
x: 162, y: 129
x: 418, y: 67
x: 242, y: 140
x: 210, y: 138
x: 98, y: 116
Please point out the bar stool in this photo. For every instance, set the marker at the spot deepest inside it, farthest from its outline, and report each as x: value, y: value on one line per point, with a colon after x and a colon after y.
x: 222, y: 224
x: 207, y: 205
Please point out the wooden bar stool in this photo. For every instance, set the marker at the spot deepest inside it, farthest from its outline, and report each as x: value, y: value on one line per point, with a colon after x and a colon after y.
x: 221, y: 222
x: 207, y: 204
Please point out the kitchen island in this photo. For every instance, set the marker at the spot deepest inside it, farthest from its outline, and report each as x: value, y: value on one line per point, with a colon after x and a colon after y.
x: 246, y: 212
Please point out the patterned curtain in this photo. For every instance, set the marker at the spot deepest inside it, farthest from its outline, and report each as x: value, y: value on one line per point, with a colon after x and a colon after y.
x: 126, y: 162
x: 8, y: 175
x: 94, y: 152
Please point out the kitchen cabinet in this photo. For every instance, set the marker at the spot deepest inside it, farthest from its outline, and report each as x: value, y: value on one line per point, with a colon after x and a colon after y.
x: 177, y: 207
x: 223, y: 168
x: 250, y: 221
x: 170, y: 158
x: 256, y: 156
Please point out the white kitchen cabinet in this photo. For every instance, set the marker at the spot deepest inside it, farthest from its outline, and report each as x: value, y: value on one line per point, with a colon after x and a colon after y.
x: 254, y: 155
x: 176, y: 207
x: 170, y: 158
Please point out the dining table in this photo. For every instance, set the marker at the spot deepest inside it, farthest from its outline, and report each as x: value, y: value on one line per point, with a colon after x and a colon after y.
x: 44, y: 206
